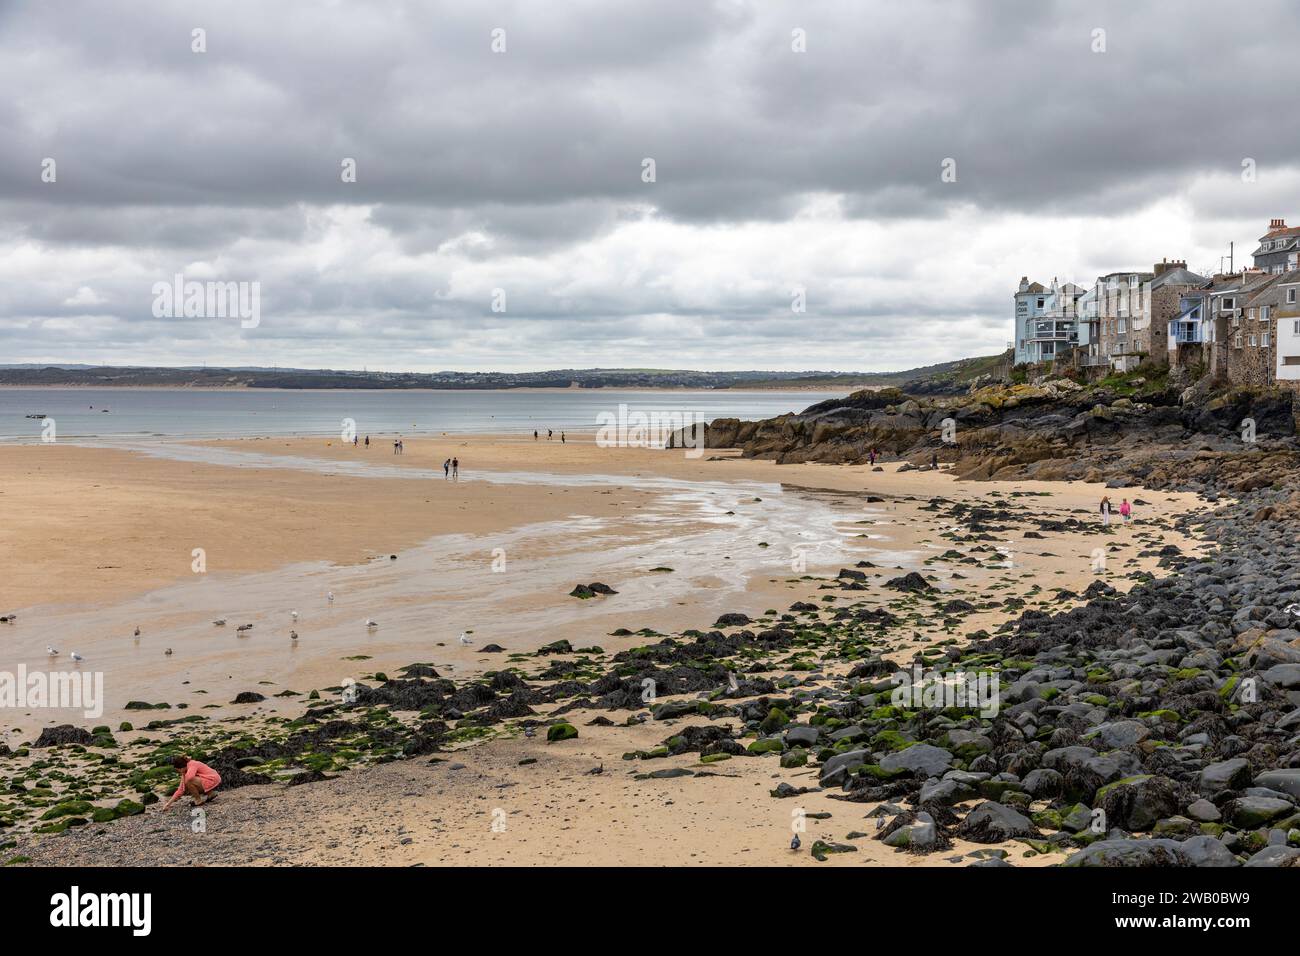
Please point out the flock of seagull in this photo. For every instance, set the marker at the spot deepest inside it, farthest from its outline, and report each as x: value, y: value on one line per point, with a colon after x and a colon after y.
x: 371, y: 624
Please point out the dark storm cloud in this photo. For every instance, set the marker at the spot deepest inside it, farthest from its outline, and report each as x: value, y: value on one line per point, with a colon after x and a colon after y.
x: 522, y: 170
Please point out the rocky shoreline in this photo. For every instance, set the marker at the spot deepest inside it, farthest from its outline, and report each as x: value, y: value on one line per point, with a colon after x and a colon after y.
x: 1130, y: 430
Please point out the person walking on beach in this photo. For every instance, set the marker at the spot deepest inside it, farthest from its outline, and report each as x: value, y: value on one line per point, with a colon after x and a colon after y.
x: 367, y: 441
x: 534, y: 434
x: 1126, y: 511
x: 934, y: 461
x: 395, y: 447
x: 1105, y: 511
x: 455, y: 469
x: 197, y: 779
x: 354, y: 441
x: 549, y: 433
x: 561, y: 438
x: 446, y: 468
x: 871, y: 456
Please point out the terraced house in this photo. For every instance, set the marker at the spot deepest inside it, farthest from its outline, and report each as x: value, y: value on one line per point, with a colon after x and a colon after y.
x: 1279, y: 248
x: 1241, y: 326
x: 1135, y: 310
x: 1202, y: 336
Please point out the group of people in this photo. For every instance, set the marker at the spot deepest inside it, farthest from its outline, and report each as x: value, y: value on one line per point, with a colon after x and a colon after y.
x: 450, y: 467
x: 550, y: 433
x: 1125, y: 510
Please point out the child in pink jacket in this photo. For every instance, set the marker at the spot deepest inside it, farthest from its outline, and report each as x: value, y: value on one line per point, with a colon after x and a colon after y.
x: 197, y: 779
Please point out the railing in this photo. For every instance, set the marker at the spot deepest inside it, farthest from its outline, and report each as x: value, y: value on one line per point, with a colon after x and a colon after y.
x: 1188, y: 334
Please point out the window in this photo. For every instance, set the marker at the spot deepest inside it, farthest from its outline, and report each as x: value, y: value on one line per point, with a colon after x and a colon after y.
x: 1263, y: 340
x: 1263, y: 313
x: 1227, y: 304
x: 1295, y: 327
x: 1291, y: 360
x: 1236, y: 342
x: 1290, y: 296
x: 1123, y: 326
x: 1040, y: 303
x: 1253, y: 340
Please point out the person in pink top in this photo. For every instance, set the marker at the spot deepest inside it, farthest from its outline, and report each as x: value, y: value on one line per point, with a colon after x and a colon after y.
x: 1126, y: 510
x: 197, y: 779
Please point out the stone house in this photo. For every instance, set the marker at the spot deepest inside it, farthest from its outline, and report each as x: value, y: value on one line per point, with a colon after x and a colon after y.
x: 1279, y: 248
x: 1252, y: 352
x: 1135, y: 310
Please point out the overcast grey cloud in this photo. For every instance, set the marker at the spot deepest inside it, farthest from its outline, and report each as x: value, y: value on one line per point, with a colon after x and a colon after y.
x: 519, y: 173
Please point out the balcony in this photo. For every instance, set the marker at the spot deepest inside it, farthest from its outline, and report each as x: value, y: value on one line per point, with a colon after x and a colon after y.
x: 1055, y: 332
x: 1186, y: 333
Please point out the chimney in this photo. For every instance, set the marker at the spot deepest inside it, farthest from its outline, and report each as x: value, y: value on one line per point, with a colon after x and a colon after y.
x: 1024, y: 283
x: 1165, y: 265
x: 1276, y: 224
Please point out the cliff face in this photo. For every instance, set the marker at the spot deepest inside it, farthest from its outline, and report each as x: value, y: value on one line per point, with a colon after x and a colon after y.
x: 1058, y: 430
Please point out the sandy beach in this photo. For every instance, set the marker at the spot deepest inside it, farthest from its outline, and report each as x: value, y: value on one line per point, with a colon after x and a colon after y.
x: 285, y: 522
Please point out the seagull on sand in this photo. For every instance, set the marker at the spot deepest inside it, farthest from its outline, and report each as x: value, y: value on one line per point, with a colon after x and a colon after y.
x: 464, y: 639
x: 168, y: 652
x: 294, y: 615
x: 329, y: 596
x: 244, y: 627
x: 52, y: 651
x: 220, y: 622
x: 371, y: 623
x: 137, y: 632
x: 293, y: 635
x: 77, y: 657
x: 795, y: 842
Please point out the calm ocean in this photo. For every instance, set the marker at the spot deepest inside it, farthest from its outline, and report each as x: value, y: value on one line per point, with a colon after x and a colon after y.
x: 141, y: 413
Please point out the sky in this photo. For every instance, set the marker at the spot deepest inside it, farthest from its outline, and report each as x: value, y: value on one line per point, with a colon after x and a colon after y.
x: 704, y: 184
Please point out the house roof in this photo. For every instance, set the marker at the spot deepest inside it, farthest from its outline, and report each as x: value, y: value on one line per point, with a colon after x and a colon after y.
x: 1275, y: 233
x: 1266, y: 293
x: 1126, y: 272
x: 1177, y: 277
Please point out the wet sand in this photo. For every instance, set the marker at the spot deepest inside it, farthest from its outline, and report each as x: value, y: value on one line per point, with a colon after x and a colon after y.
x: 102, y: 537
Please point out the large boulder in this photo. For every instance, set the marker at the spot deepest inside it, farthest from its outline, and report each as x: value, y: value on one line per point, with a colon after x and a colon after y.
x: 921, y: 760
x: 994, y: 823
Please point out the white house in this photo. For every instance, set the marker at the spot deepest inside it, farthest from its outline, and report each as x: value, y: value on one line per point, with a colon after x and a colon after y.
x: 1046, y: 320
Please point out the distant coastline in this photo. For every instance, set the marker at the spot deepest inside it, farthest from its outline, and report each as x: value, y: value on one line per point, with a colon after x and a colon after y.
x: 768, y: 387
